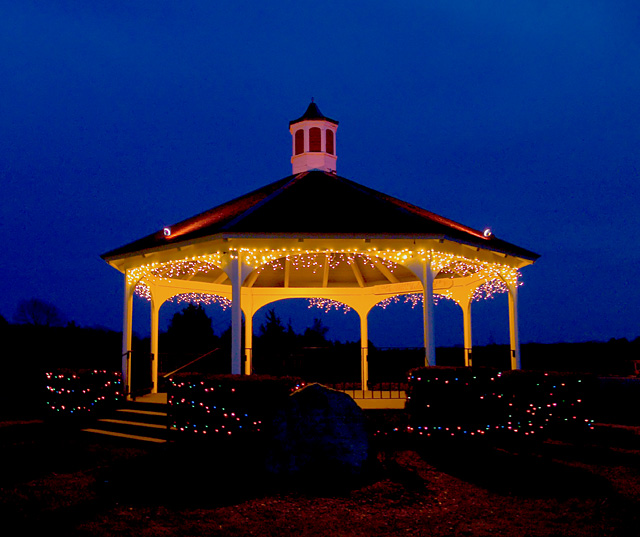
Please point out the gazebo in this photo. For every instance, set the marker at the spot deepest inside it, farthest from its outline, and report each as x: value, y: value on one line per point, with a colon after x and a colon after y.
x: 320, y: 236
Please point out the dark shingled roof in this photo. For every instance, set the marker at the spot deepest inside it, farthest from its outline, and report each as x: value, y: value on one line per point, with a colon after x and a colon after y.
x: 319, y: 203
x: 313, y: 112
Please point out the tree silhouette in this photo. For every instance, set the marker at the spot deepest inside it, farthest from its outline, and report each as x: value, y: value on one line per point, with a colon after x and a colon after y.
x: 272, y: 329
x: 38, y: 312
x: 316, y: 335
x: 273, y: 344
x: 191, y: 331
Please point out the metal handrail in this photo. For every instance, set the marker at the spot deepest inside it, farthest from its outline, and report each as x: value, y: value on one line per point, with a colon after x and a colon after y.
x: 127, y: 379
x: 167, y: 375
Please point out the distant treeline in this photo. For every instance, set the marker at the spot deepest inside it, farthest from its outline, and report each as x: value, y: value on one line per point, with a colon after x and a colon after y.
x: 614, y: 357
x: 30, y: 346
x: 28, y: 350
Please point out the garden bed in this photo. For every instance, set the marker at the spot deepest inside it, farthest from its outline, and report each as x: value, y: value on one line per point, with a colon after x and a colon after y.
x: 71, y: 482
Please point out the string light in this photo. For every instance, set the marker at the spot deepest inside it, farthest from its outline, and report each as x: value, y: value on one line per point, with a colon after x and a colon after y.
x: 215, y: 406
x: 415, y: 299
x: 327, y: 305
x: 202, y: 298
x: 520, y: 403
x: 83, y: 391
x: 495, y: 277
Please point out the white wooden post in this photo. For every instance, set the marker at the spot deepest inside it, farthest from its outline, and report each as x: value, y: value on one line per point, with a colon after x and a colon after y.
x: 364, y: 350
x: 248, y: 342
x: 513, y: 327
x: 236, y: 313
x: 155, y: 316
x: 466, y: 321
x: 127, y: 336
x: 428, y: 276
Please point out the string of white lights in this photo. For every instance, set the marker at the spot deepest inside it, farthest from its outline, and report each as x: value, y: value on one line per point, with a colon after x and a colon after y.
x: 496, y: 277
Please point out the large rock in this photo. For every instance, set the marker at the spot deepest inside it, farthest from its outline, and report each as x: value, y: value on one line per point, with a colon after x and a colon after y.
x: 321, y: 433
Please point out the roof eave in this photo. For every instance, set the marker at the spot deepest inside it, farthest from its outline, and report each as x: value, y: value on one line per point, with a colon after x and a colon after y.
x: 503, y: 248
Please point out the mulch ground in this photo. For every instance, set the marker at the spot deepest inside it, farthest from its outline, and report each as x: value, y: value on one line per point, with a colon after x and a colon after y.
x: 63, y: 482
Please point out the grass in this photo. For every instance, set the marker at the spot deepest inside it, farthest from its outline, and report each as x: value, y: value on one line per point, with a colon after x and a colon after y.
x: 78, y: 484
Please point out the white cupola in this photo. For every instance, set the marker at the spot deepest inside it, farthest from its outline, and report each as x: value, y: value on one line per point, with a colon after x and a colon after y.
x: 314, y: 141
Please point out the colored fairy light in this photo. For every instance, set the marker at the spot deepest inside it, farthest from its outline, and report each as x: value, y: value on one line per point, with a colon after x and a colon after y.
x: 530, y: 412
x: 84, y: 392
x: 214, y: 406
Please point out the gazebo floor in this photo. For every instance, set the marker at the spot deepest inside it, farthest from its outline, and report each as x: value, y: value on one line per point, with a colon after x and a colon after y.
x: 157, y: 398
x: 371, y: 399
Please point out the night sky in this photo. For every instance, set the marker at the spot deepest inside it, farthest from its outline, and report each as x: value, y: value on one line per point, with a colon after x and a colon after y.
x: 118, y: 118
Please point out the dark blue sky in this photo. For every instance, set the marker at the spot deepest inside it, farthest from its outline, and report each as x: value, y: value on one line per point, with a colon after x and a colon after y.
x: 118, y: 118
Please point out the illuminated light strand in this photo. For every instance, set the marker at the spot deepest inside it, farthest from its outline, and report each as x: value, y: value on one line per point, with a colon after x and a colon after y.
x: 260, y: 259
x: 71, y: 393
x: 414, y: 299
x: 176, y: 268
x: 143, y: 291
x: 490, y: 288
x: 204, y: 408
x: 441, y: 262
x: 202, y: 298
x: 552, y: 404
x: 327, y: 305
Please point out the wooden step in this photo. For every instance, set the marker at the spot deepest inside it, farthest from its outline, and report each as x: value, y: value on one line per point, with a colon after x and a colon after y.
x: 133, y: 423
x: 124, y: 435
x: 139, y: 421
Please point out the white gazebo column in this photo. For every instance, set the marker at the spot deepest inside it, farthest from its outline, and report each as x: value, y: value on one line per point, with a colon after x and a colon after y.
x: 248, y: 342
x: 234, y: 271
x: 364, y: 351
x: 423, y: 269
x: 466, y: 323
x: 155, y: 321
x: 127, y: 335
x: 428, y: 276
x: 513, y: 327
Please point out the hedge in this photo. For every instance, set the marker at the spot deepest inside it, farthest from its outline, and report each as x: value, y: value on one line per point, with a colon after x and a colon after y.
x: 225, y: 405
x: 454, y: 401
x: 83, y: 391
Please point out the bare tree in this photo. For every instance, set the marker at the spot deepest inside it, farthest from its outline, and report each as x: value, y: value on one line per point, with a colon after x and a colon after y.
x: 38, y: 313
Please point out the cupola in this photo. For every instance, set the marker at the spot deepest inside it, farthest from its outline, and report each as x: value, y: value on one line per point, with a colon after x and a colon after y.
x: 314, y: 141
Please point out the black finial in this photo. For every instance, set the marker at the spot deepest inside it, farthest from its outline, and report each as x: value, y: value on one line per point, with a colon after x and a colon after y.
x: 311, y: 99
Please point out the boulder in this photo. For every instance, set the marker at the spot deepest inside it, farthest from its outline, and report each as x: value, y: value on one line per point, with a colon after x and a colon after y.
x: 320, y: 433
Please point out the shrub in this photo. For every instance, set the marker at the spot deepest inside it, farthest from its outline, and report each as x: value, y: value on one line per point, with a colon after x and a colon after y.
x: 449, y: 401
x: 81, y: 392
x: 225, y: 405
x: 554, y: 403
x: 455, y: 401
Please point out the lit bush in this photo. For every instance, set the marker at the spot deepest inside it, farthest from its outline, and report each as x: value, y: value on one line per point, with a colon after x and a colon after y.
x: 81, y: 392
x: 225, y: 405
x: 458, y: 401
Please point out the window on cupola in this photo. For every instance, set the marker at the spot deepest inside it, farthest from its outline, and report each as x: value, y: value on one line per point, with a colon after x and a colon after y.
x: 315, y: 135
x: 299, y: 141
x: 330, y: 149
